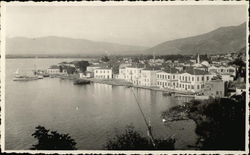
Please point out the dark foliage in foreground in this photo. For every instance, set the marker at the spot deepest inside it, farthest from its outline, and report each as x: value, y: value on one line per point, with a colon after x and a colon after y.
x: 220, y: 122
x: 52, y: 140
x: 130, y: 139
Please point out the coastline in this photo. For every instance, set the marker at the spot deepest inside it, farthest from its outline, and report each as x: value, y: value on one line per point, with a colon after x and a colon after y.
x: 120, y: 82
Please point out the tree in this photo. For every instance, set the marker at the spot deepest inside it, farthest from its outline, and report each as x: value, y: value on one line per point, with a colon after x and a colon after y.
x: 220, y: 123
x: 52, y: 140
x: 105, y: 59
x: 82, y: 65
x: 133, y: 140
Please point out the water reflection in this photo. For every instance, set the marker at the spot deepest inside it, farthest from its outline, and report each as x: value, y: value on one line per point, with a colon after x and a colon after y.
x: 89, y: 113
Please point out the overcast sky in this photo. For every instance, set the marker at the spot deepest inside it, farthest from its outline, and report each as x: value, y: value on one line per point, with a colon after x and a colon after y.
x: 133, y: 25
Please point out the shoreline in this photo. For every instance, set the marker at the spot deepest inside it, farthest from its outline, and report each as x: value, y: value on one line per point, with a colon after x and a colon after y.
x: 120, y: 82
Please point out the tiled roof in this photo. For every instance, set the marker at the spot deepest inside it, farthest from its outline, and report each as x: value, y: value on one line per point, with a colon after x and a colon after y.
x: 170, y: 70
x: 54, y: 67
x: 137, y: 65
x: 104, y: 67
x: 196, y: 71
x: 152, y: 68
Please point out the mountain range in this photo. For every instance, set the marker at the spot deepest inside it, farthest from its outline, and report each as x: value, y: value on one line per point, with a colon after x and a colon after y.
x: 221, y: 40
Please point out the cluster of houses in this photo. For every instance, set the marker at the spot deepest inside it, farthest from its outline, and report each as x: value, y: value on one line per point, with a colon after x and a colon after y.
x: 195, y: 76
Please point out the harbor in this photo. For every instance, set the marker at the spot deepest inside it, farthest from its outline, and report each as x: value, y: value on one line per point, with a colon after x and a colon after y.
x: 90, y: 111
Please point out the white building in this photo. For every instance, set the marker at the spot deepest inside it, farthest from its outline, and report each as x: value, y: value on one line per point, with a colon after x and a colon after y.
x: 92, y: 68
x: 132, y: 74
x: 122, y: 73
x: 193, y: 80
x: 103, y: 73
x: 87, y: 74
x: 167, y: 78
x: 190, y: 80
x: 223, y: 70
x: 148, y: 77
x: 53, y: 70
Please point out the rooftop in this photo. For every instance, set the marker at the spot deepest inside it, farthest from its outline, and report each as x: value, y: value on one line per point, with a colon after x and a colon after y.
x: 195, y: 71
x: 54, y: 67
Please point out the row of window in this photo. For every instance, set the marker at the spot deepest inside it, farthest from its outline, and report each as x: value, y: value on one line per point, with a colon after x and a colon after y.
x: 102, y: 71
x: 183, y: 78
x: 102, y: 77
x: 223, y: 70
x: 53, y: 70
x: 177, y: 85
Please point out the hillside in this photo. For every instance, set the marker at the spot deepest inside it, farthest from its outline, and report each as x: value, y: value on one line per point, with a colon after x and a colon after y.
x: 221, y: 40
x: 61, y: 45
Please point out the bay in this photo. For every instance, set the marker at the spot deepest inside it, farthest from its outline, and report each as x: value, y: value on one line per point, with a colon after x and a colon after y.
x: 90, y: 114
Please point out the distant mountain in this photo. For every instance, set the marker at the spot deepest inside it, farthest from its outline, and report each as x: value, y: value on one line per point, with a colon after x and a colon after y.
x: 221, y: 40
x: 69, y: 46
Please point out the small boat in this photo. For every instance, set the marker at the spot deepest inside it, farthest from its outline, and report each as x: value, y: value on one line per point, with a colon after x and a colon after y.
x: 40, y: 77
x: 201, y: 96
x: 81, y: 82
x: 45, y: 75
x: 19, y: 77
x: 166, y: 93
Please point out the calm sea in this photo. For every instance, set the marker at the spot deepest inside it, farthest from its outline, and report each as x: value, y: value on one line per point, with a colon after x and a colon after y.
x: 90, y: 114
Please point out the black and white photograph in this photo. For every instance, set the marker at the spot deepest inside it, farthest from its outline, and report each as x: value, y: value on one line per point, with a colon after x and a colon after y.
x: 110, y: 77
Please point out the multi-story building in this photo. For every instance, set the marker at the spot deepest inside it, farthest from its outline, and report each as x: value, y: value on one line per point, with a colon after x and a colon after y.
x: 223, y: 70
x: 192, y: 80
x: 167, y: 78
x: 148, y: 77
x: 54, y: 70
x: 103, y: 73
x: 132, y: 74
x: 92, y: 68
x: 214, y: 88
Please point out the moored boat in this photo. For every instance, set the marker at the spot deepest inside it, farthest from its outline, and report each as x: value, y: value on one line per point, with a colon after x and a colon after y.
x: 81, y: 82
x: 19, y: 77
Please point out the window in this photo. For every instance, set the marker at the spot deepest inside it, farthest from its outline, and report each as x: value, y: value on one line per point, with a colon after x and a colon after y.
x: 192, y: 87
x: 198, y: 87
x: 192, y: 78
x: 202, y: 78
x: 207, y: 78
x: 198, y: 78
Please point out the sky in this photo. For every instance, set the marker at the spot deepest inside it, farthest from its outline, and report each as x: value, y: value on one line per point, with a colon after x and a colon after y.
x: 132, y: 25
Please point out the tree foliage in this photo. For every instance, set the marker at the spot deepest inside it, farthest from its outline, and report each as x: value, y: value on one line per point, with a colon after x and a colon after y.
x: 82, y: 65
x: 130, y: 139
x: 220, y: 122
x: 52, y: 140
x: 105, y: 59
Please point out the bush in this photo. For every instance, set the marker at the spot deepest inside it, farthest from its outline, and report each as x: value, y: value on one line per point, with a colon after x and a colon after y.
x: 220, y: 123
x: 52, y: 140
x: 132, y: 140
